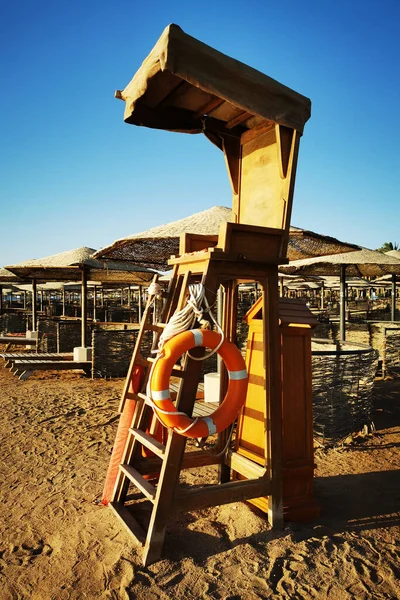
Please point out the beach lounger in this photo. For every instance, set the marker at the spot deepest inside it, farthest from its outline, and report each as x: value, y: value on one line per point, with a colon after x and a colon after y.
x: 16, y: 340
x: 24, y: 368
x: 10, y: 357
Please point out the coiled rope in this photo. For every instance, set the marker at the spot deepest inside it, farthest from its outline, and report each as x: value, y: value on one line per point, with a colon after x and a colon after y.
x: 180, y: 321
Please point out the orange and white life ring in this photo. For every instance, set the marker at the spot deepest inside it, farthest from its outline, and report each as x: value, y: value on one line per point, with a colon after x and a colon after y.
x: 235, y: 397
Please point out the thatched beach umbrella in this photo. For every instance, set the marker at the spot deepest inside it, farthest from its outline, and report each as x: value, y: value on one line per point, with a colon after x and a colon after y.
x: 395, y: 254
x: 154, y: 247
x: 362, y: 263
x: 6, y: 277
x: 78, y: 265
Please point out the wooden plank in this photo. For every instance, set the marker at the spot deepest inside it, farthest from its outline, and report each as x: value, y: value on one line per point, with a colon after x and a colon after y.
x: 142, y: 484
x: 52, y: 365
x: 207, y: 108
x: 243, y: 116
x: 41, y: 356
x: 204, y: 409
x: 149, y: 441
x: 17, y: 340
x: 191, y: 460
x: 127, y: 519
x: 244, y: 466
x: 224, y: 493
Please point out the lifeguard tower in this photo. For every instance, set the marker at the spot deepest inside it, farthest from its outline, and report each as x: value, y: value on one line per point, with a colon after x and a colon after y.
x: 186, y: 86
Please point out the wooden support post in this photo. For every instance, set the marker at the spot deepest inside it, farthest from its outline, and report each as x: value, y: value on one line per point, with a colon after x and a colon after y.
x: 34, y: 300
x: 1, y: 299
x: 393, y: 303
x: 342, y: 303
x: 140, y: 306
x: 84, y: 308
x: 273, y: 396
x: 95, y: 303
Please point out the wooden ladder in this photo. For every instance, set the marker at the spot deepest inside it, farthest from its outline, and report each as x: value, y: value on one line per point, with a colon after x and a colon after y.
x: 153, y: 467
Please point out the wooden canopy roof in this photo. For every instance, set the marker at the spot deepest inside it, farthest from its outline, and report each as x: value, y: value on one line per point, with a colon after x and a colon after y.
x: 184, y: 85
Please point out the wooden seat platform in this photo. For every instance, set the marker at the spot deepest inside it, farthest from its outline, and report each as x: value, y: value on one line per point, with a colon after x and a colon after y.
x: 204, y: 409
x: 11, y: 357
x: 24, y: 368
x: 17, y: 340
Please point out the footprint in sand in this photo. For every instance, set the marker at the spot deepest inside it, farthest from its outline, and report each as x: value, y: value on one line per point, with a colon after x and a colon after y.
x: 24, y: 554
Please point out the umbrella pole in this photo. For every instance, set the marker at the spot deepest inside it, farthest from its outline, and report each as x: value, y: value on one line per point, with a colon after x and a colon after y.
x: 342, y: 303
x: 393, y: 316
x: 140, y: 305
x: 95, y: 303
x: 34, y: 300
x: 84, y: 308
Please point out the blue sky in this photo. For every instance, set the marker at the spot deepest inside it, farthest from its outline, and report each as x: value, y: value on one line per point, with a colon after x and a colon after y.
x: 72, y: 173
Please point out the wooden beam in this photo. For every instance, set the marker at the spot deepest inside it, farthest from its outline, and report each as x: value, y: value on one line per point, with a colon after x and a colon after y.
x: 243, y: 116
x: 207, y: 108
x: 174, y: 92
x: 224, y: 493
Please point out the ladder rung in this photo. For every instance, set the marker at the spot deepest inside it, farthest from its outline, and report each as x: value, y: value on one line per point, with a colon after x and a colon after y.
x: 151, y: 359
x: 140, y: 482
x: 149, y: 441
x: 157, y: 327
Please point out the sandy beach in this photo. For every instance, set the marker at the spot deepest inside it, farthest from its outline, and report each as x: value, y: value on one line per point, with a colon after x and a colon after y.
x: 57, y: 543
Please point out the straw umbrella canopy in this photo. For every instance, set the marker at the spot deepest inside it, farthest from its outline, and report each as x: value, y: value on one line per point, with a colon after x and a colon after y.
x: 8, y: 278
x: 395, y: 253
x: 154, y: 247
x: 78, y: 265
x: 361, y: 263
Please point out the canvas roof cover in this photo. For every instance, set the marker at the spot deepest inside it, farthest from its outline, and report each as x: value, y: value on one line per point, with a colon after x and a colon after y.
x: 185, y: 85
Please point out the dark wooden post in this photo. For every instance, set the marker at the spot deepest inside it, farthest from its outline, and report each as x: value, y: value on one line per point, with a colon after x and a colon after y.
x: 342, y: 303
x: 1, y: 299
x: 94, y: 303
x: 84, y: 308
x: 140, y: 307
x: 34, y: 300
x: 393, y: 311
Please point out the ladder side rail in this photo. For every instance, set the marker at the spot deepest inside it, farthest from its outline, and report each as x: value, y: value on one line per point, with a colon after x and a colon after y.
x: 136, y: 350
x: 171, y: 467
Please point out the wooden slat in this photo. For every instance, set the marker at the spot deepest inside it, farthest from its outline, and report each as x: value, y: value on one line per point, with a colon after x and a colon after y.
x: 245, y: 466
x: 238, y: 119
x: 224, y: 493
x: 142, y: 484
x: 207, y: 108
x: 149, y: 441
x: 40, y: 356
x: 51, y: 365
x: 204, y: 409
x: 129, y: 522
x: 17, y: 340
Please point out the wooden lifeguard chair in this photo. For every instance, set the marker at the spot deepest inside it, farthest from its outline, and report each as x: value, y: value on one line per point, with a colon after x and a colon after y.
x: 186, y: 86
